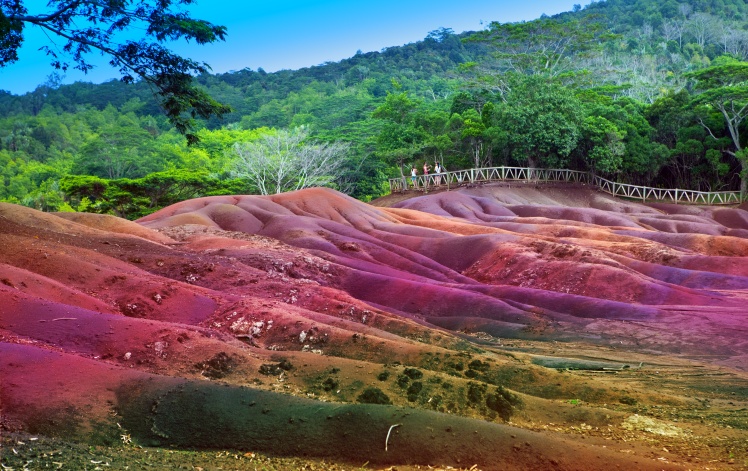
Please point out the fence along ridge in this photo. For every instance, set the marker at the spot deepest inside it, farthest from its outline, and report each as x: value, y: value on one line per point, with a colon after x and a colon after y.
x: 487, y: 174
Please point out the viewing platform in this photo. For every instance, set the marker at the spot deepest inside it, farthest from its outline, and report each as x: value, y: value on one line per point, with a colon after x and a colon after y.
x: 500, y: 174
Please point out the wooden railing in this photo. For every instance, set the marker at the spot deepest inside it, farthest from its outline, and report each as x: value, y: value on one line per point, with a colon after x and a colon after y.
x: 644, y: 193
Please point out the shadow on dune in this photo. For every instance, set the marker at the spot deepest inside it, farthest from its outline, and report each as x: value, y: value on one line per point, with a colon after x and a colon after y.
x: 161, y: 411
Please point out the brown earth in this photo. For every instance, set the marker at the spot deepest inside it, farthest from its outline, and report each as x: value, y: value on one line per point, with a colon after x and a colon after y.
x: 501, y: 327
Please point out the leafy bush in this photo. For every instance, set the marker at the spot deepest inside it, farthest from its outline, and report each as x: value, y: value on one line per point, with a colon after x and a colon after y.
x: 373, y: 396
x: 330, y: 384
x: 503, y: 402
x: 217, y: 367
x: 273, y: 369
x: 475, y: 392
x: 402, y: 380
x: 478, y: 366
x: 413, y: 373
x: 414, y: 390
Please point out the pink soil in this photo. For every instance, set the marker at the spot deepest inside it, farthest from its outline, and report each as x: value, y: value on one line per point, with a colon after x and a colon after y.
x: 110, y: 302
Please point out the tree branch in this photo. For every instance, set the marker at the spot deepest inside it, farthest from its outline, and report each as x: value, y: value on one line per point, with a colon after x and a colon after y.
x: 36, y: 19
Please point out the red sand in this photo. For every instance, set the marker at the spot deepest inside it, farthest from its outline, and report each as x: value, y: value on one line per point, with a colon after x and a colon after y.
x: 568, y: 253
x: 316, y: 270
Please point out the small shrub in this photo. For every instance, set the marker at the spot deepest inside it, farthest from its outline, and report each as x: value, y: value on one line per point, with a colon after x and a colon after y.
x: 475, y: 392
x: 217, y: 367
x: 373, y: 396
x: 478, y: 366
x: 413, y: 391
x: 383, y: 376
x: 273, y: 369
x: 413, y: 373
x: 503, y: 402
x: 330, y: 384
x: 436, y: 402
x: 402, y: 380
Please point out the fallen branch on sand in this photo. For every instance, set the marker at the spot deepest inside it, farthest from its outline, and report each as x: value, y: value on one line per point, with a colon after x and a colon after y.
x: 386, y: 440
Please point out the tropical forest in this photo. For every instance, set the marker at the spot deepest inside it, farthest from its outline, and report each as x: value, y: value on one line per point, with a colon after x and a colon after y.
x: 643, y: 92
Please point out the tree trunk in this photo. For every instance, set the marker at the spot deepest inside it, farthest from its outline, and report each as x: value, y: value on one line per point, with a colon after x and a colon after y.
x: 403, y: 180
x: 532, y: 162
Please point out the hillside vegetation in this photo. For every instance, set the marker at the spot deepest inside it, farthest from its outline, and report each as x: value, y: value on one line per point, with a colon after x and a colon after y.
x: 638, y: 91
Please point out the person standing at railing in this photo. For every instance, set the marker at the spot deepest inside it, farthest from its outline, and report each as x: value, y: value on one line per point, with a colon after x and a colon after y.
x: 437, y: 173
x: 426, y: 168
x: 414, y: 176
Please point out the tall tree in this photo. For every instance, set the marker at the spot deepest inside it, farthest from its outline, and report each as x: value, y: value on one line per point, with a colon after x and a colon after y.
x: 546, y: 46
x: 603, y: 145
x: 88, y: 25
x: 400, y: 138
x: 286, y: 161
x: 702, y: 27
x: 542, y: 120
x: 724, y: 87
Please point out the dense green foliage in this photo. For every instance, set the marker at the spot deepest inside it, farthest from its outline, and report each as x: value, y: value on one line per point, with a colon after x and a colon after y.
x: 640, y: 91
x: 75, y: 29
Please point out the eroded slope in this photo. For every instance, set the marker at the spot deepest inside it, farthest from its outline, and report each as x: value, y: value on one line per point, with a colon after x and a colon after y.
x: 472, y: 303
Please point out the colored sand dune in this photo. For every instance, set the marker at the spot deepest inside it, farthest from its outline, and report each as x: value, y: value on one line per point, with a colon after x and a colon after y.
x: 308, y: 324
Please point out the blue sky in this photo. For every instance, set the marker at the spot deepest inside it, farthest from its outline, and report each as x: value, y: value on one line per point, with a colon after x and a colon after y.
x: 292, y: 34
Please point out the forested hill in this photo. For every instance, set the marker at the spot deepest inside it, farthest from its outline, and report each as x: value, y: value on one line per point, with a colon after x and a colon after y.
x: 630, y: 89
x: 247, y: 90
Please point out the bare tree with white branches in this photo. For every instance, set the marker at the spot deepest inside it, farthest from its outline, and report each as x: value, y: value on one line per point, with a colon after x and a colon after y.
x: 671, y: 30
x: 286, y: 161
x: 737, y: 44
x: 701, y: 26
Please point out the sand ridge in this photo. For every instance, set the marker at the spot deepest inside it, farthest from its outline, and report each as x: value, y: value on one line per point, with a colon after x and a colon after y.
x: 450, y: 304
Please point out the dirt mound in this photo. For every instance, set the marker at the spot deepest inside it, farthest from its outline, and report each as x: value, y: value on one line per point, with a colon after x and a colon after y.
x: 109, y: 223
x: 482, y: 249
